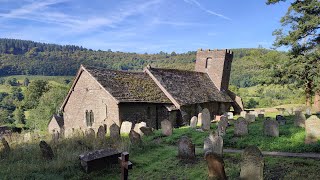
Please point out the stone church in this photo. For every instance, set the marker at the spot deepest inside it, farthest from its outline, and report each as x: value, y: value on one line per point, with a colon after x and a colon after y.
x: 101, y: 96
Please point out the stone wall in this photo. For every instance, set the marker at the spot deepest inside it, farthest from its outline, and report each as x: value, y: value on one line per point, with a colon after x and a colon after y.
x: 89, y: 95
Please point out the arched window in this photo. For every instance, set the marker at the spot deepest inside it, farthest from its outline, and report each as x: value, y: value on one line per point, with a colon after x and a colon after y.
x: 207, y: 62
x: 91, y: 118
x: 87, y: 117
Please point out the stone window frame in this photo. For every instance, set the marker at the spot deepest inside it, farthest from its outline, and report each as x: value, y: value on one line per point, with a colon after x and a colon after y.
x: 89, y: 118
x: 207, y: 62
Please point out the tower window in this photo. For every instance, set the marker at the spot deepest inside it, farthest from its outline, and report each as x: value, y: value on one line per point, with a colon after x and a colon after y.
x: 207, y: 62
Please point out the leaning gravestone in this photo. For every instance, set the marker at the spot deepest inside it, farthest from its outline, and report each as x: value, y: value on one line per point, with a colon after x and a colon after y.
x: 186, y: 150
x: 252, y: 164
x: 215, y: 166
x: 90, y: 133
x: 213, y: 143
x: 206, y: 120
x: 193, y: 122
x: 271, y: 127
x: 46, y: 150
x: 135, y: 137
x: 250, y: 118
x: 5, y: 144
x: 243, y: 114
x: 114, y: 131
x: 126, y: 127
x: 299, y: 119
x: 312, y: 129
x: 146, y: 130
x: 240, y: 127
x: 137, y: 127
x: 101, y: 134
x: 166, y: 127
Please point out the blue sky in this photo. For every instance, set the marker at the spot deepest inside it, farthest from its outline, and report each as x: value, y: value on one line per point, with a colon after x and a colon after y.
x: 143, y: 25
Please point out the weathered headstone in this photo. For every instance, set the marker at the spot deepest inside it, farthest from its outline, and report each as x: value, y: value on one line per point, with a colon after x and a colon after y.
x: 222, y: 125
x: 205, y: 119
x: 6, y: 148
x: 114, y: 131
x: 255, y: 113
x: 271, y: 127
x: 101, y: 134
x: 186, y: 150
x: 166, y: 127
x: 230, y: 115
x: 312, y: 129
x: 250, y: 118
x: 252, y: 164
x: 308, y: 111
x: 46, y: 150
x: 281, y: 120
x: 135, y: 137
x: 299, y: 119
x: 243, y: 114
x: 240, y: 127
x: 199, y: 123
x: 213, y: 143
x: 98, y: 159
x: 146, y: 130
x: 90, y: 133
x: 137, y: 127
x: 126, y: 127
x: 55, y: 136
x: 193, y: 122
x: 215, y: 166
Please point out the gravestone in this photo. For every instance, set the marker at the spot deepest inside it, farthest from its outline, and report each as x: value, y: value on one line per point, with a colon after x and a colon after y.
x: 252, y: 164
x: 114, y: 131
x: 271, y: 127
x: 186, y: 150
x: 146, y: 130
x: 281, y: 120
x: 199, y: 123
x: 243, y: 114
x: 6, y: 148
x: 135, y: 137
x: 299, y: 119
x: 255, y: 113
x: 98, y: 159
x: 221, y: 130
x: 90, y: 133
x: 230, y: 115
x: 193, y: 122
x: 260, y: 115
x: 125, y: 165
x: 101, y: 134
x: 126, y: 127
x: 222, y: 125
x: 240, y: 127
x: 166, y: 127
x: 312, y: 129
x: 205, y: 119
x: 137, y: 127
x: 215, y: 166
x: 308, y: 111
x: 46, y: 150
x: 213, y: 143
x: 55, y: 137
x: 250, y: 118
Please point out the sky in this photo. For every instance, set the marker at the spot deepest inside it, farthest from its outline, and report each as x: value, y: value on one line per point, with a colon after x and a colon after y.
x: 143, y: 25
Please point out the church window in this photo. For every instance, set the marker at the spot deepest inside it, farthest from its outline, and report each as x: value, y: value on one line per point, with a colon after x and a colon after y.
x: 91, y: 118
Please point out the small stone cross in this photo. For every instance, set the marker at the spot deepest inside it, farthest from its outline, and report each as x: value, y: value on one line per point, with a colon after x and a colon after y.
x: 125, y: 165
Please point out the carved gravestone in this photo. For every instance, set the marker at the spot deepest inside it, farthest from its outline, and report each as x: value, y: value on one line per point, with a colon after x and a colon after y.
x: 250, y: 118
x: 252, y: 164
x: 6, y: 148
x: 166, y: 127
x: 146, y: 130
x: 46, y: 150
x: 243, y: 114
x: 281, y: 120
x: 101, y: 134
x: 271, y: 127
x: 137, y: 127
x: 114, y: 131
x: 215, y: 166
x: 240, y: 127
x: 126, y: 127
x: 213, y: 143
x: 299, y: 119
x: 205, y: 119
x: 186, y: 150
x: 193, y: 122
x: 90, y: 133
x: 222, y: 125
x: 312, y: 129
x: 135, y: 137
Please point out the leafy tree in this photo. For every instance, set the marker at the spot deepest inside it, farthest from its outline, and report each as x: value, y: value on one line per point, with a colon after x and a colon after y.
x: 18, y: 116
x: 300, y: 32
x: 34, y: 92
x: 16, y: 93
x: 5, y: 116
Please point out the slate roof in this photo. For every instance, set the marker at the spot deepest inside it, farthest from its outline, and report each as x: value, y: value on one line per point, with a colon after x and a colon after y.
x: 59, y: 120
x: 129, y: 86
x: 189, y: 87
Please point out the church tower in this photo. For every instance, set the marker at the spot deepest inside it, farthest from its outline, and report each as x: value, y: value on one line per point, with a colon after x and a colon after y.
x: 217, y: 64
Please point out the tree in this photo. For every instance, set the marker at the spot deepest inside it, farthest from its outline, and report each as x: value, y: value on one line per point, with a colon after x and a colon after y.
x: 300, y: 32
x: 34, y: 92
x: 18, y: 116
